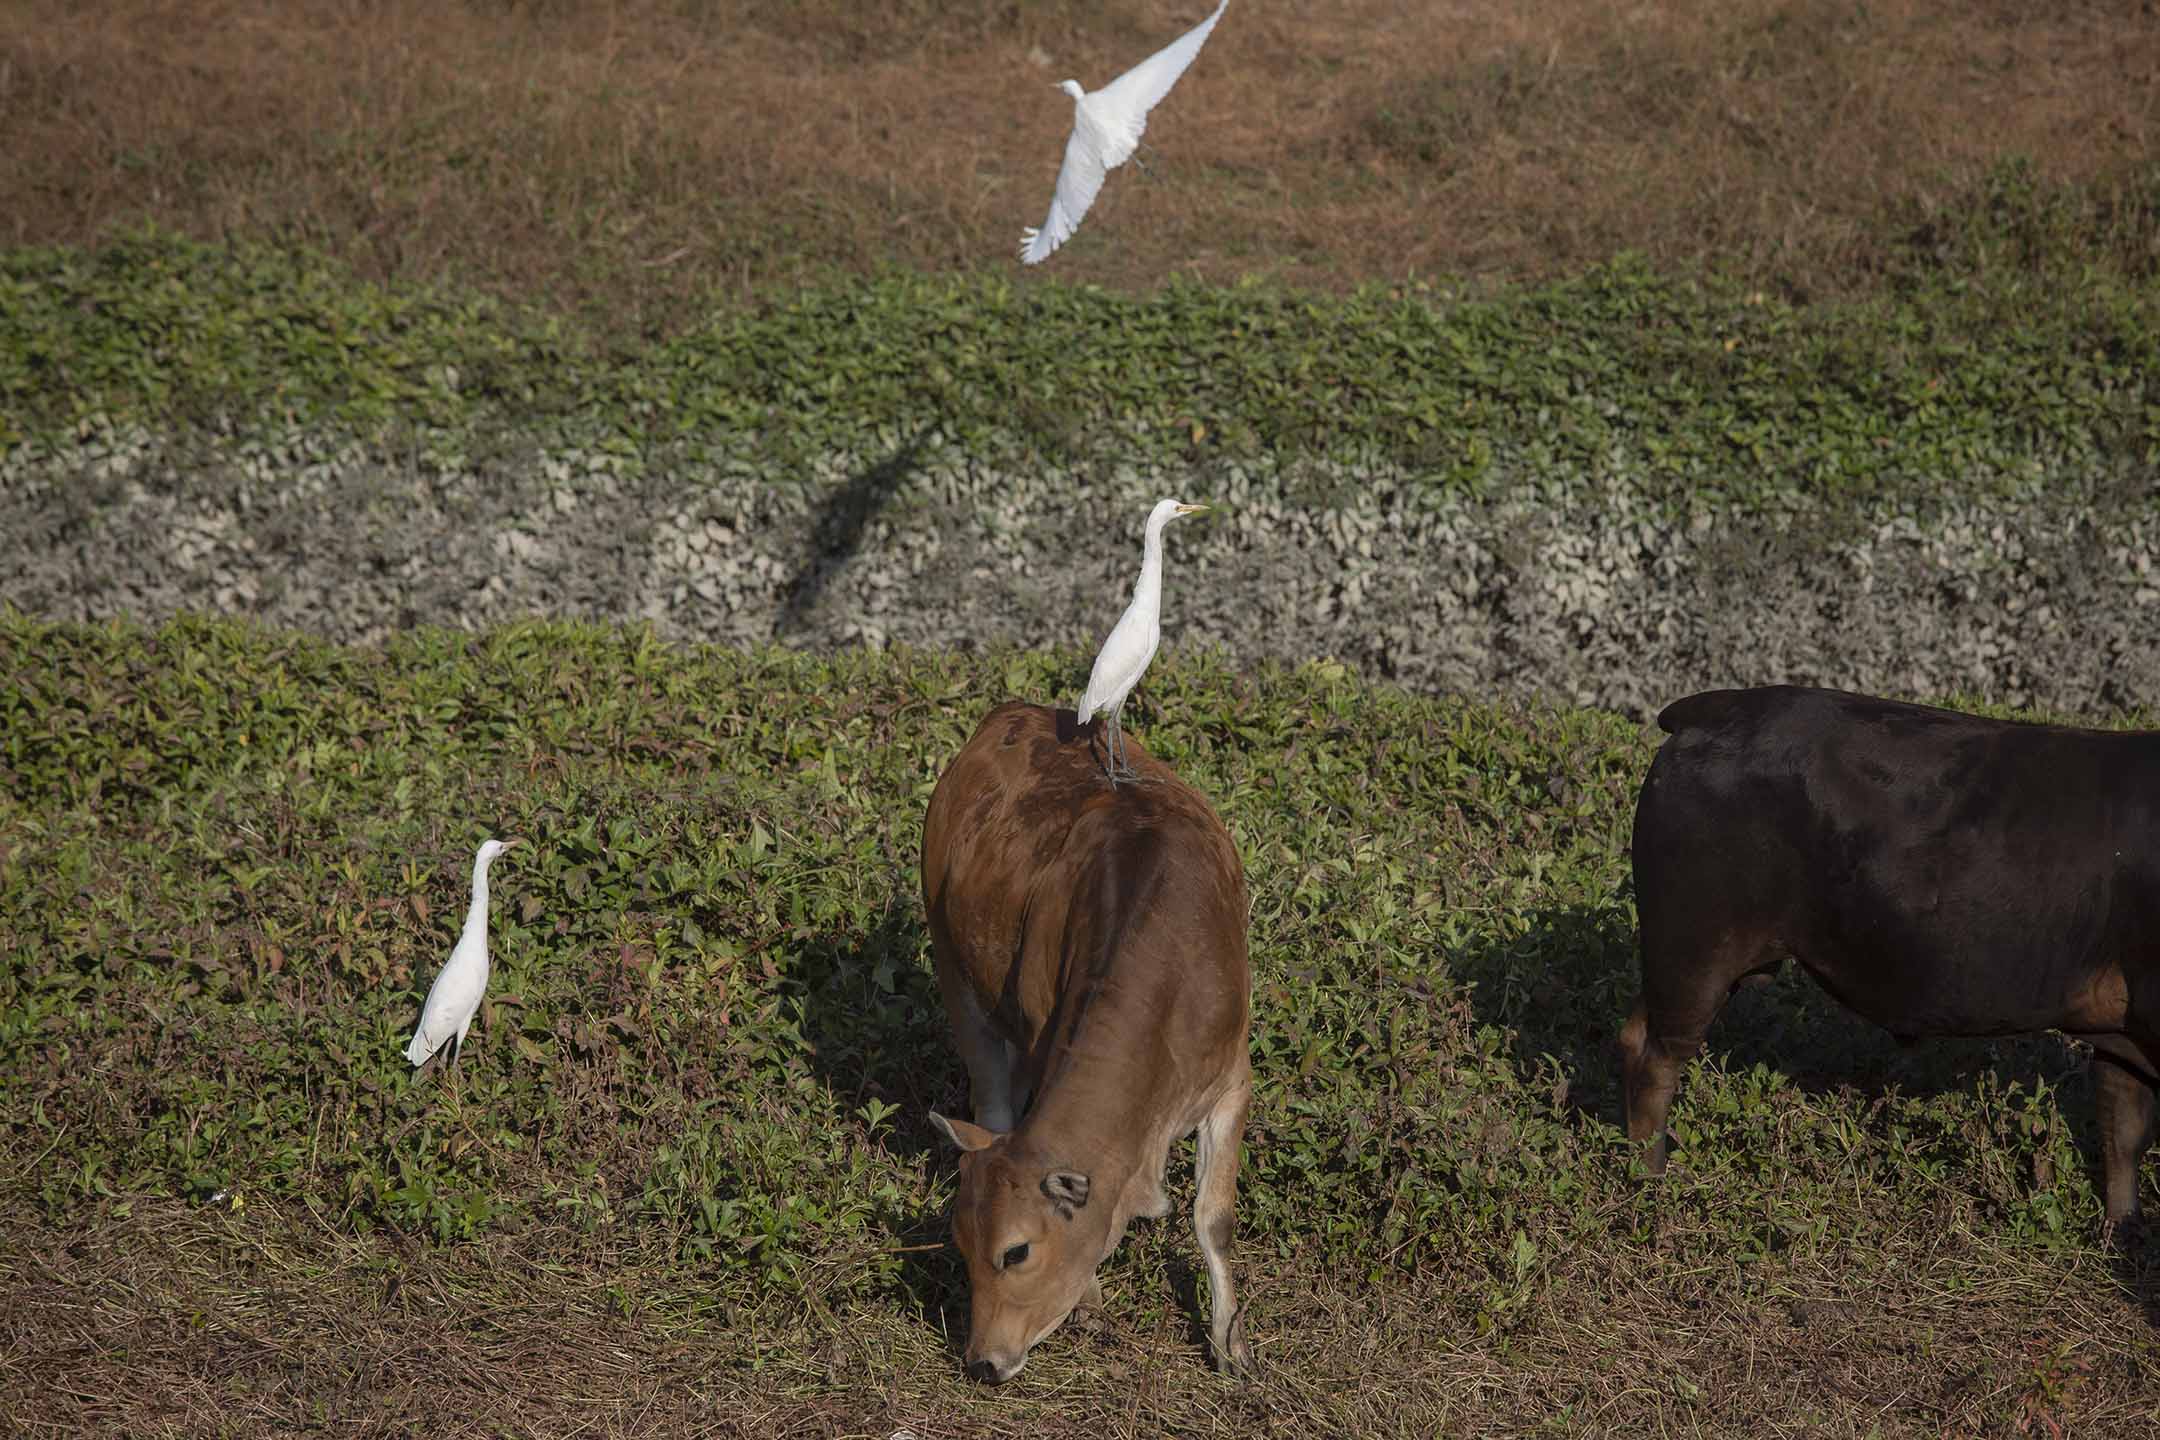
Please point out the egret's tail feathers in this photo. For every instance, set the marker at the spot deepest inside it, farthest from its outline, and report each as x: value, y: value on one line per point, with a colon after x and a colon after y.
x: 1032, y: 253
x: 418, y: 1051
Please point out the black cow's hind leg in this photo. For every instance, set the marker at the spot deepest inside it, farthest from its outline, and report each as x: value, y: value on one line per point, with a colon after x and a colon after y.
x: 1650, y: 1071
x: 1687, y: 978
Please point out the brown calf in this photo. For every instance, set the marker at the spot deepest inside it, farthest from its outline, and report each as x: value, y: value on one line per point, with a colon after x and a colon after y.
x: 1091, y: 951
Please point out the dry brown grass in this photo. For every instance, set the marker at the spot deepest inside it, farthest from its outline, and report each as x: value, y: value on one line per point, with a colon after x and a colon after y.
x: 622, y: 157
x: 175, y: 1320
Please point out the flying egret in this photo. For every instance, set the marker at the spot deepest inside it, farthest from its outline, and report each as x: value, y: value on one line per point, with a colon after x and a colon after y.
x: 1132, y: 641
x: 1107, y: 124
x: 455, y: 997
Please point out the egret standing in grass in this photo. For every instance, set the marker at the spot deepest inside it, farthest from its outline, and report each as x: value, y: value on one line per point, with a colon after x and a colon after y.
x: 1107, y: 125
x: 1125, y: 655
x: 455, y: 998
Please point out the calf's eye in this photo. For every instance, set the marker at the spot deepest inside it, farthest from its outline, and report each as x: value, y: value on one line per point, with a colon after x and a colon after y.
x: 1013, y: 1257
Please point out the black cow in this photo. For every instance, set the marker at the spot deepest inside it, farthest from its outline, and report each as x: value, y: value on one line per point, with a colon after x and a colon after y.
x: 1938, y: 873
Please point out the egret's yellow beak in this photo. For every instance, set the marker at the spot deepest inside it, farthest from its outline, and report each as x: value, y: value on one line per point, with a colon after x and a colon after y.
x: 512, y: 841
x: 1190, y: 509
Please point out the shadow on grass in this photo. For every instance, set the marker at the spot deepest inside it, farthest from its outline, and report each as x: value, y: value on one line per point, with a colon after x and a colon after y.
x: 877, y: 1034
x: 838, y: 533
x: 2137, y: 1268
x: 1567, y: 983
x: 876, y: 1027
x: 1193, y: 1300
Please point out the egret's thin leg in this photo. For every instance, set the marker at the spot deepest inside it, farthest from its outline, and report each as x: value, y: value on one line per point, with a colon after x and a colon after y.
x: 456, y: 1077
x: 1110, y: 749
x: 1124, y: 753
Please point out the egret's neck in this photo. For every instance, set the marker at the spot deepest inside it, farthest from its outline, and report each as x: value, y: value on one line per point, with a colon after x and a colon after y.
x: 476, y: 913
x: 1148, y: 590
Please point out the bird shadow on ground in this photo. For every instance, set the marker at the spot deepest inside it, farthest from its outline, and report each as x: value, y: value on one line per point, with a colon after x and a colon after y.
x: 838, y: 532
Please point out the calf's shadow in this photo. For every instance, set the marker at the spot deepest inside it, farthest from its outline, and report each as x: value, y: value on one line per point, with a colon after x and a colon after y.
x: 876, y: 1032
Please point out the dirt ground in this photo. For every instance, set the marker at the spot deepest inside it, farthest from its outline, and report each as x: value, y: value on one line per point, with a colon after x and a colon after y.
x: 634, y: 158
x: 191, y: 1321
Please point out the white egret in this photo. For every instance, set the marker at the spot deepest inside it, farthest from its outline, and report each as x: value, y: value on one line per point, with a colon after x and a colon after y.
x: 1131, y: 645
x: 455, y: 998
x: 1107, y: 125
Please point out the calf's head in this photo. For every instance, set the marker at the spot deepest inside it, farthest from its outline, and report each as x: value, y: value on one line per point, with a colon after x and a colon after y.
x: 1031, y: 1244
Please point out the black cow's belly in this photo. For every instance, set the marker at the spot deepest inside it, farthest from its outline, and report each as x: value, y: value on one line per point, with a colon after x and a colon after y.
x: 1936, y: 940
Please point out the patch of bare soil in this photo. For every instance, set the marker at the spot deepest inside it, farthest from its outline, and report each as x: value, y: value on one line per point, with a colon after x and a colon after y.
x: 633, y: 158
x: 177, y: 1320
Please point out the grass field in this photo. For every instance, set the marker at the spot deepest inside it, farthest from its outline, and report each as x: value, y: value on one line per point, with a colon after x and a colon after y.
x: 685, y: 1180
x: 1987, y: 381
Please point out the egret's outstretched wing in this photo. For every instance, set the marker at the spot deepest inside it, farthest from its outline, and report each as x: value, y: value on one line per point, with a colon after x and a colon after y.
x: 1124, y: 102
x: 1079, y: 182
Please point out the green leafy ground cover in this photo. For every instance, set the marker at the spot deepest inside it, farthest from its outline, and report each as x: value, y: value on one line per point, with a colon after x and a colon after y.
x: 2005, y: 361
x: 691, y: 1120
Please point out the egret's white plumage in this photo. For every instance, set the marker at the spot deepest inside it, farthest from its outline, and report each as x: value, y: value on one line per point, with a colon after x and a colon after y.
x: 1107, y: 125
x: 1125, y: 655
x: 455, y: 998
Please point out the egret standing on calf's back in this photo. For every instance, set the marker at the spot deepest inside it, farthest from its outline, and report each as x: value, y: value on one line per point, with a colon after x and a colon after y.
x: 1131, y: 646
x: 1091, y: 954
x: 1107, y: 125
x: 455, y: 998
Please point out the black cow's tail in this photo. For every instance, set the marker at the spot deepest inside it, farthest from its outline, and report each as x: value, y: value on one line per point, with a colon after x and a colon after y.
x: 1695, y: 712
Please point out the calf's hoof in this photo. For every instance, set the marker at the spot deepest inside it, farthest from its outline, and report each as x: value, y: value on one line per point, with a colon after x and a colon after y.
x: 1233, y: 1356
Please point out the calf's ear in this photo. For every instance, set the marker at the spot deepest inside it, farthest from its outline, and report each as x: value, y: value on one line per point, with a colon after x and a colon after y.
x: 1066, y: 1188
x: 961, y: 1133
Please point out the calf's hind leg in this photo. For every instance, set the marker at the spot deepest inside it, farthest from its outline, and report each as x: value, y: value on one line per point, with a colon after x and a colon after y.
x: 1215, y: 1171
x: 2129, y: 1108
